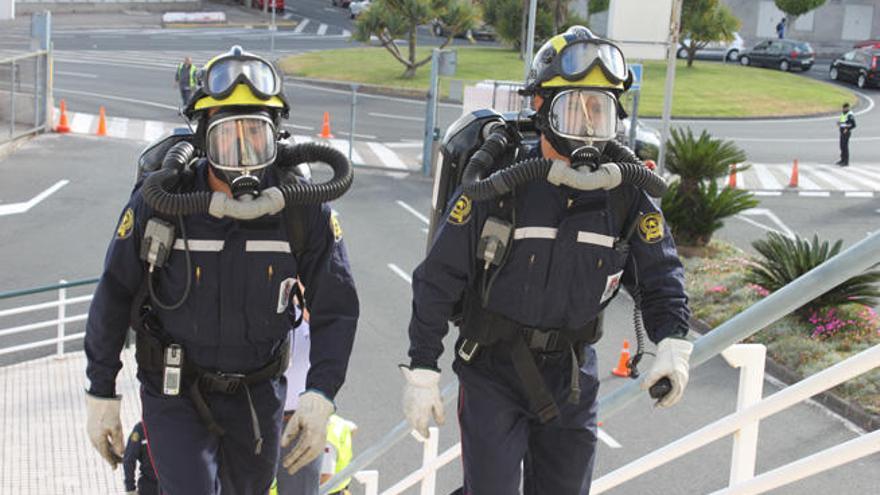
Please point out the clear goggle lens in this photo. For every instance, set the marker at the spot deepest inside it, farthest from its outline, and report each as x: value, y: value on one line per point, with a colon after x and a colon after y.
x: 223, y: 75
x: 576, y: 59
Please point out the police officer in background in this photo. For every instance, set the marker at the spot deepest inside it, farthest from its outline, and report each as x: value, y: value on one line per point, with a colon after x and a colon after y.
x: 846, y: 123
x: 528, y: 398
x: 137, y: 451
x: 213, y: 318
x: 185, y: 79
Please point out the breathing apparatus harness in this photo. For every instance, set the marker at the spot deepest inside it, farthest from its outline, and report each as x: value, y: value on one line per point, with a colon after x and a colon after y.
x: 485, y: 178
x: 166, y: 189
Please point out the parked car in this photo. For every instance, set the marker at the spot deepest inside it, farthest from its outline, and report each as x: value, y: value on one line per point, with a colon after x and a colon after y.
x: 858, y: 66
x: 341, y: 3
x: 647, y: 145
x: 867, y: 44
x: 356, y: 7
x: 480, y: 32
x: 720, y: 50
x: 782, y: 54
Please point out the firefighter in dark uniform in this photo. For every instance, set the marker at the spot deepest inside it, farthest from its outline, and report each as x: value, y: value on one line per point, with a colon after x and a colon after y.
x: 529, y: 398
x: 137, y: 451
x: 212, y: 333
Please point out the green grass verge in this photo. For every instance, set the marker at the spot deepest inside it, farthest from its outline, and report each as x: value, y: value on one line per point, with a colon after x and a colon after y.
x: 718, y: 292
x: 707, y: 89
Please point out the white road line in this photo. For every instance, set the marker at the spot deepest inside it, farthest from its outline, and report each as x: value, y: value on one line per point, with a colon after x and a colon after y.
x: 81, y: 123
x: 153, y: 130
x: 815, y: 194
x: 117, y: 98
x: 414, y: 212
x: 346, y: 33
x: 297, y: 126
x: 302, y: 25
x: 758, y: 224
x: 75, y: 74
x: 342, y: 145
x: 828, y: 176
x: 15, y: 208
x: 399, y: 117
x: 407, y: 144
x: 322, y: 29
x: 607, y: 439
x: 400, y: 273
x: 767, y: 193
x: 797, y: 140
x: 867, y: 173
x: 117, y: 127
x: 367, y: 95
x: 386, y: 156
x: 859, y: 194
x: 772, y: 216
x: 766, y: 178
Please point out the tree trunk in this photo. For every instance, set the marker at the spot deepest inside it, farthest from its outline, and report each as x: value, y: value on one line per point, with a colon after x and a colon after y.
x: 411, y: 66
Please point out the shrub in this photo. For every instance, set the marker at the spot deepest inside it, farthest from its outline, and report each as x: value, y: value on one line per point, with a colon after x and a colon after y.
x: 784, y: 259
x: 695, y: 215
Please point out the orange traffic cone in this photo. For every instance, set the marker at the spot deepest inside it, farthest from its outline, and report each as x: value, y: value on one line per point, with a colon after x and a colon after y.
x: 731, y: 180
x: 325, y: 129
x: 62, y: 121
x: 794, y: 175
x: 623, y: 364
x: 102, y: 122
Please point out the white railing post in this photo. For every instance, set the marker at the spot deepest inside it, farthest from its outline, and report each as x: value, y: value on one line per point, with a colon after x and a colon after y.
x: 370, y: 480
x: 749, y: 358
x: 430, y: 448
x: 62, y: 311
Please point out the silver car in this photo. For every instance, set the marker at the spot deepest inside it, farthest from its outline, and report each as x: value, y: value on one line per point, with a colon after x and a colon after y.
x: 718, y: 50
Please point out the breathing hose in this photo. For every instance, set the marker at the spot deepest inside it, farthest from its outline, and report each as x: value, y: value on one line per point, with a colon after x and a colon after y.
x: 158, y: 194
x: 625, y: 170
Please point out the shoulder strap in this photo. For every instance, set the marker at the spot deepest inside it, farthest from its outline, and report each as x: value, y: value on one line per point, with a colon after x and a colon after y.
x: 295, y: 221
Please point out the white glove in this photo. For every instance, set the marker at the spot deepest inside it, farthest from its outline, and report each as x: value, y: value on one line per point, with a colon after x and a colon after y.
x: 421, y: 398
x: 104, y: 428
x: 672, y: 361
x: 309, y: 426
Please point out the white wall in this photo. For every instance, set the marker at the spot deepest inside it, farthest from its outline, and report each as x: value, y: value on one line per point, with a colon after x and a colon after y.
x: 7, y: 10
x: 857, y: 22
x: 640, y: 27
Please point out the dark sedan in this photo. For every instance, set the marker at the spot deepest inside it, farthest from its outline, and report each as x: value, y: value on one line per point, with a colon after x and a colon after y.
x: 781, y: 54
x: 858, y: 66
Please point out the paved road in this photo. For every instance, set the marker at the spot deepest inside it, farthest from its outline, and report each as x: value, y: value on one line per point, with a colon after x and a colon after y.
x: 65, y: 235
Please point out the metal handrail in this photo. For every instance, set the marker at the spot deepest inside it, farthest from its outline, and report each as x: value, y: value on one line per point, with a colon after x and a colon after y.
x: 850, y: 263
x: 47, y: 288
x: 14, y: 58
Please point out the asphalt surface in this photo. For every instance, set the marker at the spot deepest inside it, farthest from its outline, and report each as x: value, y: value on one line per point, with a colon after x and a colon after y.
x: 66, y: 234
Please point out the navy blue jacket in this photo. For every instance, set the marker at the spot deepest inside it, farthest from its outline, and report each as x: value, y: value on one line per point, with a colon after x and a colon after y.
x: 136, y: 452
x: 562, y: 270
x: 238, y: 312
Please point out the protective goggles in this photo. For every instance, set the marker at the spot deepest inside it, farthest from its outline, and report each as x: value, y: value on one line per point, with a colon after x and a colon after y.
x: 221, y: 78
x: 583, y: 114
x: 579, y: 57
x: 241, y: 143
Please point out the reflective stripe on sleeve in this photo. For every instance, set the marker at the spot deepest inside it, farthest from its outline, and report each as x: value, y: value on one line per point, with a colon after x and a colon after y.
x: 199, y: 245
x: 267, y: 246
x: 594, y: 238
x: 535, y: 233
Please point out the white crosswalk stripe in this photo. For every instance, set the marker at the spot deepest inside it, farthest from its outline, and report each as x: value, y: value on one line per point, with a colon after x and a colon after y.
x: 364, y: 152
x: 814, y: 179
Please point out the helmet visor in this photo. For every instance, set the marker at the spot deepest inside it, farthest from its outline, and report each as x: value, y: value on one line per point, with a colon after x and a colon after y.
x: 578, y: 58
x: 224, y: 74
x: 241, y: 143
x: 584, y: 114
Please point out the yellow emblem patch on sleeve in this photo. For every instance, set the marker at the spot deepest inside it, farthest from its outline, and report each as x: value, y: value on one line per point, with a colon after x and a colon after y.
x: 126, y: 224
x: 135, y: 437
x: 651, y: 227
x: 461, y: 211
x: 335, y: 227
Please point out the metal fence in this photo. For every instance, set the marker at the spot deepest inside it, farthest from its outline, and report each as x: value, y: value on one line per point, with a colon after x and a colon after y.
x: 25, y: 82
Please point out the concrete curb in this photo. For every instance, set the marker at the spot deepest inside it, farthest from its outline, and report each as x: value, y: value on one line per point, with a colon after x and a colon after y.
x: 849, y: 410
x: 244, y: 25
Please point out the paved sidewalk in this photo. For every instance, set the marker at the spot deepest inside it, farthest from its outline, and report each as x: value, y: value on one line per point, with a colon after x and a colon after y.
x: 42, y: 424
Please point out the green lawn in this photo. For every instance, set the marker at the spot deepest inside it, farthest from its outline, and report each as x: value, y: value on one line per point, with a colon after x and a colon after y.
x: 707, y: 89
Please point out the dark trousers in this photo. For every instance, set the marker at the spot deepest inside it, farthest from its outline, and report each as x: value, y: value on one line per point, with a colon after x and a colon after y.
x: 184, y: 95
x: 146, y: 486
x: 844, y: 148
x: 189, y: 459
x: 498, y: 431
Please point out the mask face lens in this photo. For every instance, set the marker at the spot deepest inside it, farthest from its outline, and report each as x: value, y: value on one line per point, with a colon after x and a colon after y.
x: 577, y: 58
x: 241, y: 143
x: 584, y: 115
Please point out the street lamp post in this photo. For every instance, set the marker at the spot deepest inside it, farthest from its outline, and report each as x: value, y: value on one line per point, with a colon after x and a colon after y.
x: 671, y: 48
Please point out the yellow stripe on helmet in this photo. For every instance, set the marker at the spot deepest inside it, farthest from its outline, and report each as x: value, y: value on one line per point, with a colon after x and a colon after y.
x: 241, y: 95
x: 594, y: 79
